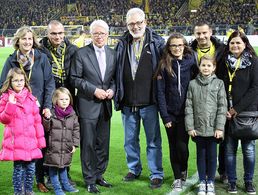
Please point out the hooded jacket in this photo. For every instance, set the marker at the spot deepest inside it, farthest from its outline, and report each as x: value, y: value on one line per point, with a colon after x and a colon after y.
x: 63, y: 135
x: 23, y: 132
x: 206, y: 105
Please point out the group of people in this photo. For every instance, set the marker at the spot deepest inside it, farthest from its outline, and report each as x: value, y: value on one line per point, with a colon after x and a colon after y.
x: 197, y: 89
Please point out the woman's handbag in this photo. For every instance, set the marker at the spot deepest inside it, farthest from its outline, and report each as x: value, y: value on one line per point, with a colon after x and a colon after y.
x: 244, y: 125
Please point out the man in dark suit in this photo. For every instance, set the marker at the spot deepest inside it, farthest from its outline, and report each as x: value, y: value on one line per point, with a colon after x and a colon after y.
x: 92, y: 73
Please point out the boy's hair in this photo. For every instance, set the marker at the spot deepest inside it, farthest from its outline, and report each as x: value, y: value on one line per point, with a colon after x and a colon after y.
x: 208, y: 57
x: 7, y: 84
x: 61, y: 90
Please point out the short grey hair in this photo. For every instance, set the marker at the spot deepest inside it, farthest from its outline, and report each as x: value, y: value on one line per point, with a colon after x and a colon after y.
x: 100, y: 23
x: 55, y: 23
x: 133, y: 11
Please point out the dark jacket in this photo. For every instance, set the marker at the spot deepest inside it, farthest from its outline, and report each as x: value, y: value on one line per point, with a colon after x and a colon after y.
x: 63, y: 135
x: 244, y: 86
x: 69, y: 52
x: 219, y: 49
x: 156, y: 44
x: 41, y: 81
x: 171, y: 104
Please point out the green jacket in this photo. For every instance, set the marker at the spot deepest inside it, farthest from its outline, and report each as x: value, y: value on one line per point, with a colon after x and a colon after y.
x: 206, y: 105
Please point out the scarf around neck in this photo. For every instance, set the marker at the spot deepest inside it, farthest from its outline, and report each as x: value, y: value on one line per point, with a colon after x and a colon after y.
x: 26, y: 60
x: 60, y: 113
x: 245, y: 60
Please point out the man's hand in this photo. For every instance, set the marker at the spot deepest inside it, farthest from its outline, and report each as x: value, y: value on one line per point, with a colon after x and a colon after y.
x: 110, y: 93
x: 100, y: 94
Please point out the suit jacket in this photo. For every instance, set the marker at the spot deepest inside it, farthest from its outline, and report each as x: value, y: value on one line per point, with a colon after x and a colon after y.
x: 85, y: 75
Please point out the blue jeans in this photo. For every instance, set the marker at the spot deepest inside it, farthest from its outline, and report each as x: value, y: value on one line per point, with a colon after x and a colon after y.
x: 57, y: 185
x: 206, y: 149
x: 248, y: 150
x: 23, y: 174
x: 132, y: 123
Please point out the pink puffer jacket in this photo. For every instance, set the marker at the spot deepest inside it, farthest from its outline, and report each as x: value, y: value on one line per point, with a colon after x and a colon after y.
x: 23, y: 133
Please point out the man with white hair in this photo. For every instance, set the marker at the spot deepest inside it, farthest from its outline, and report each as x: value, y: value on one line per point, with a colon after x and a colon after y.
x: 92, y: 73
x: 138, y: 54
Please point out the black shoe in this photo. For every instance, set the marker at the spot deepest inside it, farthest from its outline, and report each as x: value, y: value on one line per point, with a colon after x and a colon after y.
x: 130, y: 177
x: 156, y: 183
x: 249, y: 187
x: 92, y: 188
x: 103, y: 182
x: 232, y: 189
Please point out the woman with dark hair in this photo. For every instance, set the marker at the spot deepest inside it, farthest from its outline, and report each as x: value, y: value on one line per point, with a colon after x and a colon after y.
x: 239, y: 71
x: 176, y: 69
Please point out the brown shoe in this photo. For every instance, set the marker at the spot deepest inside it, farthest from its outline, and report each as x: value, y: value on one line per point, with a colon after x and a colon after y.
x: 41, y: 187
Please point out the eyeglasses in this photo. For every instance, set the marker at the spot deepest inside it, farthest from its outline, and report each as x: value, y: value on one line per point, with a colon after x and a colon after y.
x: 97, y: 34
x: 56, y: 33
x: 131, y: 25
x: 18, y: 81
x: 173, y: 46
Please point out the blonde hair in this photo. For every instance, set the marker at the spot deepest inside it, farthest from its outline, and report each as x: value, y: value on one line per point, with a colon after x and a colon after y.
x: 7, y: 84
x: 208, y: 57
x: 20, y: 33
x: 60, y: 90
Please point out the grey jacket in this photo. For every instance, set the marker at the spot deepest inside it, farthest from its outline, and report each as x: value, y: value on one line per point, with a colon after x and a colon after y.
x: 206, y: 105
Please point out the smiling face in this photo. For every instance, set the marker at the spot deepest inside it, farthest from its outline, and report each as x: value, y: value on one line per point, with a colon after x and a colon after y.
x: 136, y: 26
x: 236, y: 46
x: 63, y: 100
x: 176, y: 47
x: 99, y: 36
x: 17, y: 82
x: 206, y: 67
x: 26, y: 43
x: 203, y: 36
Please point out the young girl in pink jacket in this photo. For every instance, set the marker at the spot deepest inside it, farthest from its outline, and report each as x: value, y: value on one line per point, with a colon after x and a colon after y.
x: 23, y: 132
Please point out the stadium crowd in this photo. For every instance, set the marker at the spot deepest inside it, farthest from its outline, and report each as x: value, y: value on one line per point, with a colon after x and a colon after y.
x: 162, y: 14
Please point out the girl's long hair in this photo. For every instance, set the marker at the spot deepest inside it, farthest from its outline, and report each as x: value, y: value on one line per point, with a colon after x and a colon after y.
x: 167, y: 57
x: 8, y: 82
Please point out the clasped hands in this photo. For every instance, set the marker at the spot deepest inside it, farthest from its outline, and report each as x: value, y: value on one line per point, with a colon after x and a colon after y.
x: 102, y: 94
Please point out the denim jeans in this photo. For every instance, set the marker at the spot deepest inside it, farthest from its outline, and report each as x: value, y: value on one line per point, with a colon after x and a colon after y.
x: 248, y: 150
x: 57, y: 185
x: 23, y: 174
x: 206, y: 149
x: 132, y: 123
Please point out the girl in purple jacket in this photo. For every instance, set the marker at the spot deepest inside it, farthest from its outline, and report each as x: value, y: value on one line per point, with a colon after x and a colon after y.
x: 23, y: 133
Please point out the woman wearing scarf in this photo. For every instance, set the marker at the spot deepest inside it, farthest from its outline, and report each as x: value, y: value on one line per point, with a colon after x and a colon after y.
x: 239, y: 71
x: 35, y: 65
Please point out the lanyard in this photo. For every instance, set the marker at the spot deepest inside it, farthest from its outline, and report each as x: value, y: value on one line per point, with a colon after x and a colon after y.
x: 138, y: 52
x: 21, y: 66
x: 60, y: 66
x: 231, y: 76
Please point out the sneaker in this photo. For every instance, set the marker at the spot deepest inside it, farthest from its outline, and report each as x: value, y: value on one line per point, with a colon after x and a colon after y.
x: 69, y: 188
x: 202, y: 188
x: 232, y: 189
x: 210, y: 189
x: 249, y: 187
x: 184, y: 176
x: 130, y: 177
x: 30, y: 193
x: 156, y: 183
x: 223, y: 178
x: 177, y: 185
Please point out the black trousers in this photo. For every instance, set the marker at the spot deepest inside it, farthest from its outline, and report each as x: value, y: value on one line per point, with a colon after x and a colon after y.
x: 178, y: 140
x: 95, y: 138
